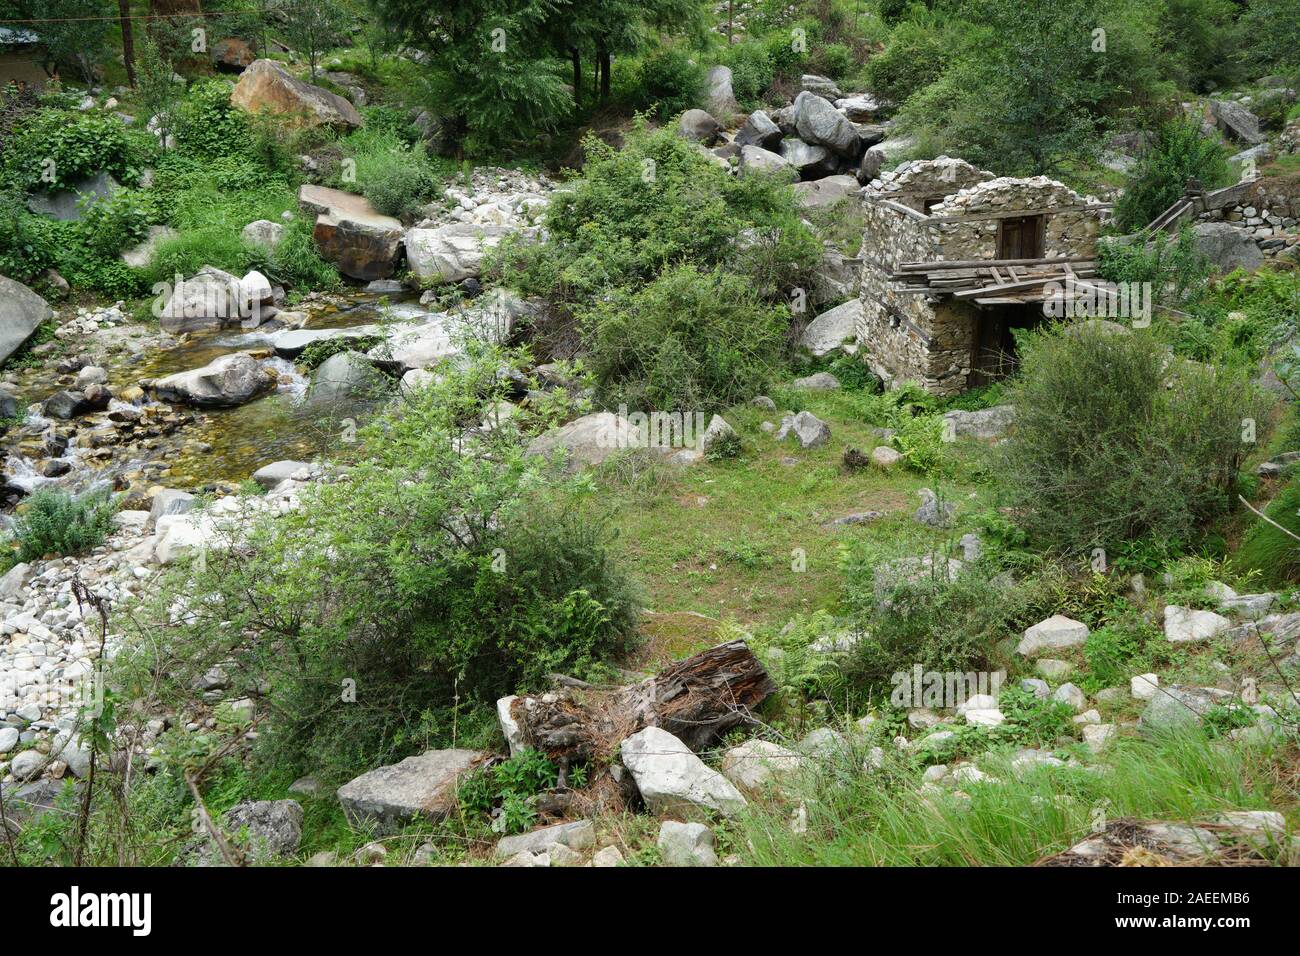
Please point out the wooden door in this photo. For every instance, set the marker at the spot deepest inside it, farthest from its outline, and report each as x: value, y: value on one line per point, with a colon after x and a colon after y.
x: 1021, y: 237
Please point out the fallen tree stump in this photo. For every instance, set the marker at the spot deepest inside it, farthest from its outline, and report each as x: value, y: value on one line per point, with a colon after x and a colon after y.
x: 697, y: 700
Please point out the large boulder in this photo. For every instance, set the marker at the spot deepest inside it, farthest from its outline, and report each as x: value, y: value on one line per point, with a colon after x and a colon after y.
x: 984, y: 423
x: 362, y: 242
x: 1227, y: 247
x: 453, y: 253
x: 699, y: 126
x: 69, y: 403
x: 232, y: 54
x: 812, y: 161
x: 69, y: 204
x: 721, y: 98
x: 817, y: 121
x: 819, y: 193
x: 266, y: 830
x: 1237, y: 121
x: 1176, y: 707
x: 588, y: 440
x: 293, y: 342
x: 760, y: 131
x: 1186, y: 625
x: 267, y: 87
x: 672, y: 778
x: 423, y: 786
x: 754, y: 159
x: 208, y: 299
x: 756, y: 764
x: 686, y: 844
x: 811, y: 431
x: 226, y: 381
x: 576, y: 835
x: 21, y: 313
x: 832, y: 329
x: 345, y: 377
x: 263, y: 232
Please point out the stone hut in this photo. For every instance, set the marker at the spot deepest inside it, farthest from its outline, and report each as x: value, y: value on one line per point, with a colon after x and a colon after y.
x: 955, y: 258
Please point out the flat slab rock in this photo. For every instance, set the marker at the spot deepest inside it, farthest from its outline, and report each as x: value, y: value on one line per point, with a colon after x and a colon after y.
x: 415, y: 787
x: 577, y: 835
x: 672, y: 778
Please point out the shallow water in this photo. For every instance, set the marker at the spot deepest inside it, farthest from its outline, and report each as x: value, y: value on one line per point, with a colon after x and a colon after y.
x: 227, y: 444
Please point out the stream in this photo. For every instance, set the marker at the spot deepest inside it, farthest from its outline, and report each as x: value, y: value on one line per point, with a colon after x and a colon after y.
x: 186, y: 448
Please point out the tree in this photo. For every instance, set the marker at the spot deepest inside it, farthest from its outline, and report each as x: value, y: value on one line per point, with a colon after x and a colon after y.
x: 72, y: 32
x: 311, y: 26
x: 128, y: 39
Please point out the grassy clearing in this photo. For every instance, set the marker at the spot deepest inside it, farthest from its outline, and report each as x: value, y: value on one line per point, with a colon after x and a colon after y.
x: 720, y: 537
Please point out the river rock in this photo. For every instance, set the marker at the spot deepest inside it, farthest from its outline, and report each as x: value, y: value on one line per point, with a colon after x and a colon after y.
x: 140, y: 255
x: 209, y: 299
x: 70, y: 204
x: 699, y: 127
x: 170, y: 501
x: 454, y: 253
x: 671, y: 777
x: 811, y: 160
x: 755, y: 764
x: 423, y: 786
x: 68, y: 404
x: 1237, y: 121
x: 721, y: 97
x: 268, y: 476
x: 820, y: 193
x: 226, y: 381
x: 588, y: 440
x: 576, y: 835
x: 984, y: 424
x: 345, y: 377
x: 267, y: 87
x: 21, y: 312
x: 351, y: 233
x: 1227, y: 247
x: 264, y: 233
x: 1184, y: 625
x: 811, y: 431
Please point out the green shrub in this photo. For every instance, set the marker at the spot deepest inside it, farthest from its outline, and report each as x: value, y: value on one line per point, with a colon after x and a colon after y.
x: 207, y: 124
x: 28, y: 244
x: 507, y: 787
x: 317, y: 352
x: 436, y: 579
x: 751, y: 71
x: 55, y: 522
x: 52, y: 149
x: 689, y: 341
x: 396, y: 177
x: 112, y: 223
x: 670, y: 81
x: 656, y: 203
x: 1110, y: 445
x: 913, y: 58
x: 1179, y: 152
x: 943, y: 625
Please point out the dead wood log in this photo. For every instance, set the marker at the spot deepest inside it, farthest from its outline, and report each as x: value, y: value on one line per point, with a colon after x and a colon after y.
x: 696, y: 700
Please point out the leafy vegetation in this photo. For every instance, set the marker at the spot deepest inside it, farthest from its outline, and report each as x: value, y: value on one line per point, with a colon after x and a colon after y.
x: 55, y: 522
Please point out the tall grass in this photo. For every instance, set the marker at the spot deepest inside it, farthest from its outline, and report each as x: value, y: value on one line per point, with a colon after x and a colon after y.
x: 881, y: 818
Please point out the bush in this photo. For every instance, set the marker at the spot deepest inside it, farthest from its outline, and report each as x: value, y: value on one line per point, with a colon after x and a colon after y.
x: 1111, y: 445
x: 669, y: 81
x: 751, y: 71
x: 206, y: 123
x: 28, y: 244
x: 55, y: 522
x: 437, y: 578
x: 52, y: 149
x: 396, y: 177
x: 1178, y: 153
x: 689, y: 341
x: 943, y: 625
x: 656, y: 203
x: 112, y: 223
x: 913, y: 59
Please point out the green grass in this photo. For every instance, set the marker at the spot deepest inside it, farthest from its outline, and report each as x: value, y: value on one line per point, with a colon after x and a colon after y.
x: 882, y: 819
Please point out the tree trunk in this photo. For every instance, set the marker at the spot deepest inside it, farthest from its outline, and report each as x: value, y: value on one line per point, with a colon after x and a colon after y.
x: 576, y: 56
x: 697, y: 700
x: 604, y: 73
x: 128, y: 40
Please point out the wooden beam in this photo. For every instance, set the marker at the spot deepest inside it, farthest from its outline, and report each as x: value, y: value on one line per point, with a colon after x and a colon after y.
x: 988, y: 263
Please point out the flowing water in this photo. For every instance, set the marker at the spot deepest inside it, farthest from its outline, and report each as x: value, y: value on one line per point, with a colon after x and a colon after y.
x: 225, y: 445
